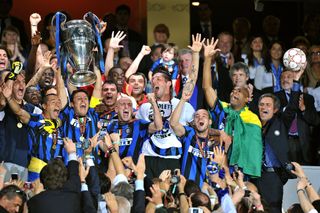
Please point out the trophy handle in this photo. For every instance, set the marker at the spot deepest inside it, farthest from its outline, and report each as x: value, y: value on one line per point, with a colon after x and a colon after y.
x: 92, y: 18
x: 63, y: 18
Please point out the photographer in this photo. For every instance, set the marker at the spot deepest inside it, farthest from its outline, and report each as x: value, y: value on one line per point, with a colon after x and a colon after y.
x: 308, y: 197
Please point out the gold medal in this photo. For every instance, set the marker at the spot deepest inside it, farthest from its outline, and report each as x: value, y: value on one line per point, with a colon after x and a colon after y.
x: 19, y: 125
x: 81, y: 138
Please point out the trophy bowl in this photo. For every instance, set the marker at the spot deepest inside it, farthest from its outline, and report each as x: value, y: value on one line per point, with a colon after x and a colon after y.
x: 78, y: 39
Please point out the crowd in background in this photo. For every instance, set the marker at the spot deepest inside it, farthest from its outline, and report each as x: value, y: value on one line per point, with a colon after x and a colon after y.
x: 218, y: 126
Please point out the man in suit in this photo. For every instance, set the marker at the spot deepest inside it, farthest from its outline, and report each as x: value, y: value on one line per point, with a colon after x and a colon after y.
x: 62, y: 185
x: 185, y: 68
x: 275, y: 172
x: 305, y: 116
x: 204, y: 23
x: 220, y: 67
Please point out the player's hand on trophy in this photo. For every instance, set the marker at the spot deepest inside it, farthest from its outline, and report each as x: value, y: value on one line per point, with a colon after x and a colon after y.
x: 116, y: 39
x: 103, y: 27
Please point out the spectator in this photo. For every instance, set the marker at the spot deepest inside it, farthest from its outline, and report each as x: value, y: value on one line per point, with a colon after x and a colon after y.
x: 241, y: 29
x: 161, y: 34
x: 133, y: 41
x: 299, y: 137
x: 7, y: 20
x: 220, y: 66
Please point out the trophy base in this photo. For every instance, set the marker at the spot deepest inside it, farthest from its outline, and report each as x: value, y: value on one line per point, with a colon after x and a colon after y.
x: 81, y: 79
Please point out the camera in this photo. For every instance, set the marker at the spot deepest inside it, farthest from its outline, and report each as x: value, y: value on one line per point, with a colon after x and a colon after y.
x: 289, y: 167
x: 175, y: 179
x: 195, y: 210
x: 27, y: 185
x: 14, y: 176
x: 85, y: 144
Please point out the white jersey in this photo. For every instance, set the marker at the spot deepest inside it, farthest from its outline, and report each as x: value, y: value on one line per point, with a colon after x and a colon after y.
x: 164, y: 143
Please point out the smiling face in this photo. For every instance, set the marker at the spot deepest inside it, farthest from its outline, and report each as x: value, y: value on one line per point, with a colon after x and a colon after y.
x: 124, y: 109
x: 46, y: 78
x: 19, y: 88
x: 117, y: 76
x: 201, y: 120
x: 52, y: 106
x: 160, y: 86
x: 266, y: 109
x: 33, y: 95
x: 137, y: 84
x: 238, y: 98
x: 80, y: 103
x: 185, y: 63
x: 287, y: 80
x: 109, y: 94
x: 239, y: 78
x: 4, y: 61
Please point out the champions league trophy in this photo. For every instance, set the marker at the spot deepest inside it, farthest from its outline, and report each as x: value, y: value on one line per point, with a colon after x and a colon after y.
x: 78, y: 39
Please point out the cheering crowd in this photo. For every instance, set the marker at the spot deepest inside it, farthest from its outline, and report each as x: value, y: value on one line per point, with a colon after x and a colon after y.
x: 218, y: 126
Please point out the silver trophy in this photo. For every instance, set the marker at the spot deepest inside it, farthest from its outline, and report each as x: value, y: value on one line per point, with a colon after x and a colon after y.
x: 78, y: 42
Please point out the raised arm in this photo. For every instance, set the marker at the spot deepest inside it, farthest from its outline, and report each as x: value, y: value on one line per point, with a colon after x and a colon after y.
x: 114, y: 43
x: 145, y: 50
x: 62, y: 92
x: 187, y: 91
x: 196, y: 48
x: 209, y: 52
x: 22, y: 114
x: 98, y: 85
x: 37, y: 76
x: 157, y: 124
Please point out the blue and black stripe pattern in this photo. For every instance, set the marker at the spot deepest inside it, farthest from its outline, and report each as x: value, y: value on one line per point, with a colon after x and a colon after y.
x: 193, y: 164
x: 132, y: 136
x: 217, y: 116
x: 42, y: 145
x: 71, y: 129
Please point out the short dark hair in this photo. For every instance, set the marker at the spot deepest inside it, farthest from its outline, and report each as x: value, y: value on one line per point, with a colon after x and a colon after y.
x: 78, y: 91
x: 110, y: 82
x: 200, y: 199
x: 46, y: 97
x: 276, y: 101
x: 239, y: 66
x: 54, y: 175
x: 139, y: 74
x: 163, y: 71
x: 11, y: 191
x: 105, y: 183
x: 191, y: 187
x: 123, y: 7
x: 162, y: 28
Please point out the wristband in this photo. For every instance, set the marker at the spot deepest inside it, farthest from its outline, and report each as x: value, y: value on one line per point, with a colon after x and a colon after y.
x: 159, y: 206
x: 300, y: 190
x: 117, y: 142
x: 112, y: 150
x: 182, y: 194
